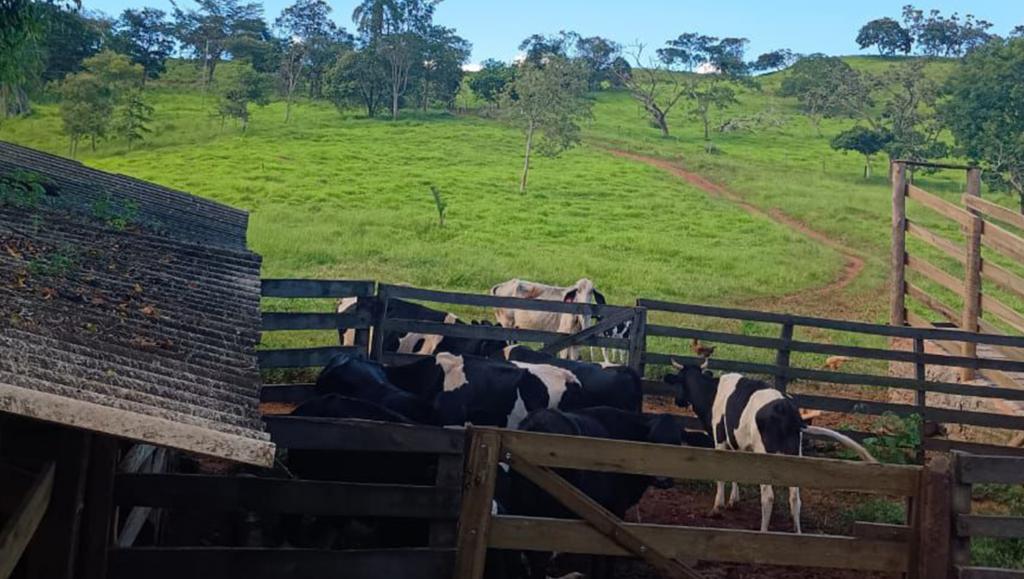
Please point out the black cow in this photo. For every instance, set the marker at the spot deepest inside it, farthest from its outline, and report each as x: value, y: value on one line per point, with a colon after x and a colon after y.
x: 616, y: 386
x: 750, y: 415
x: 616, y: 492
x: 351, y: 375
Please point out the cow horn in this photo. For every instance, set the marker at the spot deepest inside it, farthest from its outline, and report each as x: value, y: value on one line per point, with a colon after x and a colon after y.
x: 704, y: 364
x: 676, y: 364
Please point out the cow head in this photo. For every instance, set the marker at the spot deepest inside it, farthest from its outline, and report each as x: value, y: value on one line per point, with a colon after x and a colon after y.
x: 694, y: 385
x: 582, y: 292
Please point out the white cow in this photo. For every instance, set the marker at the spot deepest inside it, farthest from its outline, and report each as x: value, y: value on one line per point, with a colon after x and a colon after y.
x: 581, y: 292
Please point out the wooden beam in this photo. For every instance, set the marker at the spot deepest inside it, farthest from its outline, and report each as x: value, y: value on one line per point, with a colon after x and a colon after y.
x: 290, y: 496
x: 704, y: 464
x: 247, y: 563
x: 930, y: 271
x: 1003, y: 241
x: 601, y: 519
x: 937, y: 241
x: 972, y: 274
x: 960, y: 504
x: 934, y: 304
x: 18, y: 530
x: 467, y: 299
x: 475, y: 518
x: 898, y: 247
x: 298, y: 357
x: 947, y: 445
x: 1004, y: 312
x: 973, y: 469
x: 316, y: 288
x: 98, y: 518
x: 592, y: 332
x: 939, y: 205
x: 1002, y: 277
x: 881, y: 532
x: 994, y: 210
x: 990, y: 526
x: 934, y: 531
x: 273, y: 321
x: 361, y: 435
x: 494, y: 332
x: 964, y: 572
x: 706, y: 544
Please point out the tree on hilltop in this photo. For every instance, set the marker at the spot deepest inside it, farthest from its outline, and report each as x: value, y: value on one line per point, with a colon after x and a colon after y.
x: 887, y: 36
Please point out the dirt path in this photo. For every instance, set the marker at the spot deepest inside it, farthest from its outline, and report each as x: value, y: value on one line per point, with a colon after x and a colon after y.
x: 825, y: 295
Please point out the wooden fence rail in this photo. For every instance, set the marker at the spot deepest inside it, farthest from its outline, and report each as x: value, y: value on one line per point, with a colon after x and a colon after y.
x: 969, y: 470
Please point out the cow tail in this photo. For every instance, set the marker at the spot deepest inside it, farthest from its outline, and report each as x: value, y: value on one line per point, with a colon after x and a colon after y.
x: 842, y: 439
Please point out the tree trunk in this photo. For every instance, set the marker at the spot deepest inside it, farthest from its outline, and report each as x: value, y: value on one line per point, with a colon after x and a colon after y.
x: 394, y: 103
x: 92, y: 144
x: 662, y: 124
x: 526, y: 162
x: 1021, y: 195
x: 288, y: 108
x: 707, y: 132
x: 867, y: 167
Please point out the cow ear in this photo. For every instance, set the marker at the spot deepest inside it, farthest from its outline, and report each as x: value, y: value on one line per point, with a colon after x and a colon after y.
x: 570, y: 295
x: 599, y: 298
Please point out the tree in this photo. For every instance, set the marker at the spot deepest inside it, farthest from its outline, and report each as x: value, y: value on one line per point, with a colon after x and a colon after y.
x: 70, y: 36
x: 290, y: 72
x: 403, y: 44
x: 867, y: 142
x: 984, y: 107
x: 549, y: 100
x: 247, y: 87
x: 909, y: 99
x: 310, y: 30
x: 133, y: 117
x: 23, y: 27
x: 86, y: 105
x: 439, y: 78
x: 1017, y: 32
x: 887, y: 36
x: 146, y: 37
x: 359, y: 77
x: 373, y: 18
x: 937, y: 35
x: 598, y: 55
x: 490, y: 81
x: 537, y: 48
x: 115, y: 70
x: 826, y: 87
x: 724, y: 64
x: 655, y: 84
x: 207, y: 32
x: 774, y: 60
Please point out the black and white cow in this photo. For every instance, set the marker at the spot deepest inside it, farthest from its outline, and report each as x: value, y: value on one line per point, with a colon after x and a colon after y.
x: 485, y: 391
x: 621, y: 330
x: 417, y: 342
x: 616, y: 386
x: 750, y: 415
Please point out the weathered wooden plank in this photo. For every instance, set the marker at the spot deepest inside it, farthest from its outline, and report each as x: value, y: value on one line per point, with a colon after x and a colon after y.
x: 1004, y: 312
x: 930, y: 271
x: 466, y: 299
x: 947, y: 445
x: 989, y: 419
x: 934, y: 304
x: 960, y: 504
x: 937, y: 241
x: 475, y: 517
x: 933, y: 531
x: 1003, y: 241
x: 223, y: 563
x: 939, y: 205
x: 601, y: 519
x: 362, y: 435
x: 316, y: 288
x: 706, y: 544
x: 638, y: 341
x: 972, y: 275
x: 288, y: 393
x: 593, y: 332
x: 846, y: 378
x: 18, y: 529
x: 705, y: 464
x: 314, y: 321
x: 988, y: 573
x: 830, y: 324
x: 990, y: 526
x: 491, y: 332
x: 97, y: 528
x: 269, y: 495
x: 898, y: 246
x: 981, y: 469
x: 993, y: 210
x: 835, y: 349
x: 848, y: 405
x: 881, y: 531
x: 1002, y: 277
x: 299, y: 357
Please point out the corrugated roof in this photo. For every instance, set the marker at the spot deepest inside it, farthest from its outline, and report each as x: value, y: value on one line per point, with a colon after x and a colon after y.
x: 124, y: 326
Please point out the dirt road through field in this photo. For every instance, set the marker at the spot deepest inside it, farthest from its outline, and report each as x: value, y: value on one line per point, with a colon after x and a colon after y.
x: 854, y: 263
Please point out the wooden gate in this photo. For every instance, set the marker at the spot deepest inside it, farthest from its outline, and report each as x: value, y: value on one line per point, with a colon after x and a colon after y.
x: 969, y: 470
x: 878, y: 548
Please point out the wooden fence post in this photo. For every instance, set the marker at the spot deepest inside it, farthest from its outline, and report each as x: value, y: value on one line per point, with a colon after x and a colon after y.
x: 960, y: 504
x: 483, y: 448
x: 380, y: 314
x: 782, y: 356
x: 897, y: 304
x: 638, y: 341
x: 921, y: 396
x: 935, y: 522
x: 449, y: 475
x: 972, y: 273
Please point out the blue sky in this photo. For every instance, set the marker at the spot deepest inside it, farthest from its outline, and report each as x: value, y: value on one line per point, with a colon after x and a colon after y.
x: 496, y: 27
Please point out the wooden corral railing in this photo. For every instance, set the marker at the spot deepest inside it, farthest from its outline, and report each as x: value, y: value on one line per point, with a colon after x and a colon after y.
x: 969, y: 470
x: 975, y: 219
x: 252, y: 497
x: 784, y: 372
x: 886, y: 548
x: 797, y: 335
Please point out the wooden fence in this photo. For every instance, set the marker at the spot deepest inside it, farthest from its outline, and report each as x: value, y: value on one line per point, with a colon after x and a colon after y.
x: 886, y: 548
x: 796, y: 335
x: 976, y: 219
x: 251, y: 494
x: 969, y: 470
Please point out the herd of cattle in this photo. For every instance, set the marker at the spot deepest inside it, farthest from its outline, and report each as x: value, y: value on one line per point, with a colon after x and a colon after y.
x: 460, y: 381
